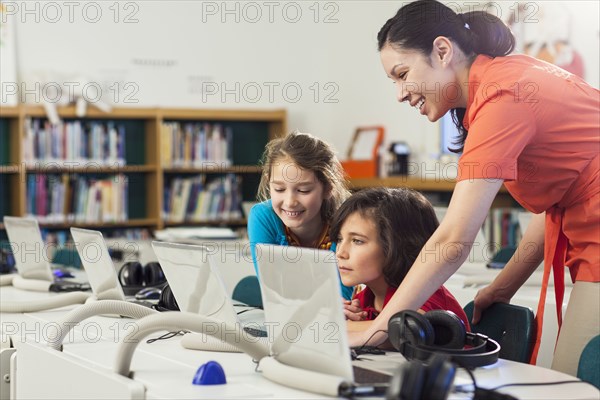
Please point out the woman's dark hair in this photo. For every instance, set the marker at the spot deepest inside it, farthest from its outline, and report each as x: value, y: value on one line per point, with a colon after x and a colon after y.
x: 404, y: 220
x: 416, y: 25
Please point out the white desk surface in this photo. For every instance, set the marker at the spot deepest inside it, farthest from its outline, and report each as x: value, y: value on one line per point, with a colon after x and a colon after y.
x: 166, y: 369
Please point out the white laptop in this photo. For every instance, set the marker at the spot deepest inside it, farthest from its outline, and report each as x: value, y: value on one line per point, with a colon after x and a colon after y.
x: 198, y: 287
x: 98, y: 265
x: 30, y: 260
x: 481, y: 251
x: 29, y: 252
x: 303, y: 309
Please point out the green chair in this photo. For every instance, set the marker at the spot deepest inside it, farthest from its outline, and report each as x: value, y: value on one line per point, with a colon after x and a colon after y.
x: 589, y: 363
x: 67, y: 257
x: 510, y: 325
x: 247, y: 291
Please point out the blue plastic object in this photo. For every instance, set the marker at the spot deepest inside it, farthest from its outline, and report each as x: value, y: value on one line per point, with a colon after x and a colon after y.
x: 210, y: 373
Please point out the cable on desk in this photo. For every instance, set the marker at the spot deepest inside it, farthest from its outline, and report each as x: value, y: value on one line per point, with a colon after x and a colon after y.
x: 480, y: 393
x: 364, y: 345
x: 539, y: 384
x: 93, y: 308
x: 167, y: 335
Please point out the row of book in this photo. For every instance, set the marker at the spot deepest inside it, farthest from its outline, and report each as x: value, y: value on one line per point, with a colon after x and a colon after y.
x: 194, y: 199
x: 502, y: 227
x: 195, y: 145
x: 73, y: 143
x: 70, y: 198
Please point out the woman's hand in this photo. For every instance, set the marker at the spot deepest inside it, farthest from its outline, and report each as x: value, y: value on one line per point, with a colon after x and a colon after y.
x: 485, y: 298
x: 527, y: 257
x: 353, y: 312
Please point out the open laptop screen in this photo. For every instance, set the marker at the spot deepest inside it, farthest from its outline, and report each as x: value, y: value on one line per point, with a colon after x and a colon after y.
x: 195, y: 285
x: 97, y: 263
x: 28, y: 248
x: 303, y: 308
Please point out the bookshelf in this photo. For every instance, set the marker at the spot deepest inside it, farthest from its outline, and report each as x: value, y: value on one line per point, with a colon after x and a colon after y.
x: 501, y: 226
x: 140, y: 165
x: 441, y: 187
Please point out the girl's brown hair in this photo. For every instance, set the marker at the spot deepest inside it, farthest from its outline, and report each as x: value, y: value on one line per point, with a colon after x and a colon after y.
x: 404, y: 218
x: 311, y: 154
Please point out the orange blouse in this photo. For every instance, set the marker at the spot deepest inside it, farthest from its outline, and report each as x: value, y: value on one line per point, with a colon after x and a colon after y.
x: 537, y: 127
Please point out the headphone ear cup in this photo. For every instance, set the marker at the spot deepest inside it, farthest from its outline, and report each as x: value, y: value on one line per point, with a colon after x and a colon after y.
x: 410, y: 326
x: 166, y: 301
x: 448, y: 330
x: 439, y: 377
x: 131, y: 274
x: 153, y: 274
x: 407, y: 383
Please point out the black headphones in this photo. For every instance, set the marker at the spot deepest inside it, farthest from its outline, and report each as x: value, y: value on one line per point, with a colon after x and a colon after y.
x: 134, y: 276
x: 420, y: 336
x: 432, y: 380
x: 7, y: 261
x: 166, y: 301
x: 416, y: 380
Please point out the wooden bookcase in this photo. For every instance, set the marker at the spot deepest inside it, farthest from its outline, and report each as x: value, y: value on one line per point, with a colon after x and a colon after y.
x: 501, y: 226
x: 146, y: 176
x: 443, y: 187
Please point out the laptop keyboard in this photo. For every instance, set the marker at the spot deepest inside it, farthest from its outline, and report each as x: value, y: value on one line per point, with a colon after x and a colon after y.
x: 144, y: 303
x: 364, y: 375
x: 255, y: 332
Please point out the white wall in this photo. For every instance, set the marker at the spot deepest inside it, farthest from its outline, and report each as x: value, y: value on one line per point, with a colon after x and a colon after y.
x: 174, y: 49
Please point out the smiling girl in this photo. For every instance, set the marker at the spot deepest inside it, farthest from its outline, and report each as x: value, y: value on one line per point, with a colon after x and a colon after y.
x: 302, y: 186
x: 379, y: 234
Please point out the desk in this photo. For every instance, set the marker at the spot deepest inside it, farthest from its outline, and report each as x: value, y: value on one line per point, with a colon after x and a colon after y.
x: 165, y: 369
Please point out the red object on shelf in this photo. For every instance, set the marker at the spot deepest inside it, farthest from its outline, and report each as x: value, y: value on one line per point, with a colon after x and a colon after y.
x: 364, y: 168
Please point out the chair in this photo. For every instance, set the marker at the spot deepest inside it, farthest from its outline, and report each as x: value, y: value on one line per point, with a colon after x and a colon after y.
x: 247, y: 291
x: 589, y: 363
x: 67, y: 257
x: 510, y: 325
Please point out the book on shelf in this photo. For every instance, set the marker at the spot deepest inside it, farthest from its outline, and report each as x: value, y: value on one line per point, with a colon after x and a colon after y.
x: 197, y: 145
x: 70, y: 143
x: 502, y: 227
x: 195, y: 200
x: 64, y: 198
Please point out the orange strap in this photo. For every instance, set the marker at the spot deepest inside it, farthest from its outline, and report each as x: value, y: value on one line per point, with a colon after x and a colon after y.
x: 555, y: 254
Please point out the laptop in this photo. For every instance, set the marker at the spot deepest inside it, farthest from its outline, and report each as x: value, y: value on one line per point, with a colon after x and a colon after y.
x: 198, y: 287
x: 29, y: 253
x: 99, y: 266
x: 303, y: 309
x: 481, y: 251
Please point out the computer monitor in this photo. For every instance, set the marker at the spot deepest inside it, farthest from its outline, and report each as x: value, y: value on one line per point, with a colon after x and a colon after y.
x: 448, y: 134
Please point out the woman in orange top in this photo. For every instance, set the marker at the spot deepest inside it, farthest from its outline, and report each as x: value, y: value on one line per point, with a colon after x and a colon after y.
x: 524, y: 123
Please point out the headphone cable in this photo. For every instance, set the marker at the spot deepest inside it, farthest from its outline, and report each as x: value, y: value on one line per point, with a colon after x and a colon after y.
x: 539, y: 384
x: 491, y: 393
x: 371, y: 337
x: 479, y: 392
x: 167, y: 335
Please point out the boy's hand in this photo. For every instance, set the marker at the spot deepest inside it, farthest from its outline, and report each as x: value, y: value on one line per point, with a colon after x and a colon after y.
x: 353, y: 312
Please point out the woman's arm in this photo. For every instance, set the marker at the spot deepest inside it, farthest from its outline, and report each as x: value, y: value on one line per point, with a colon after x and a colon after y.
x: 441, y: 256
x: 527, y: 257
